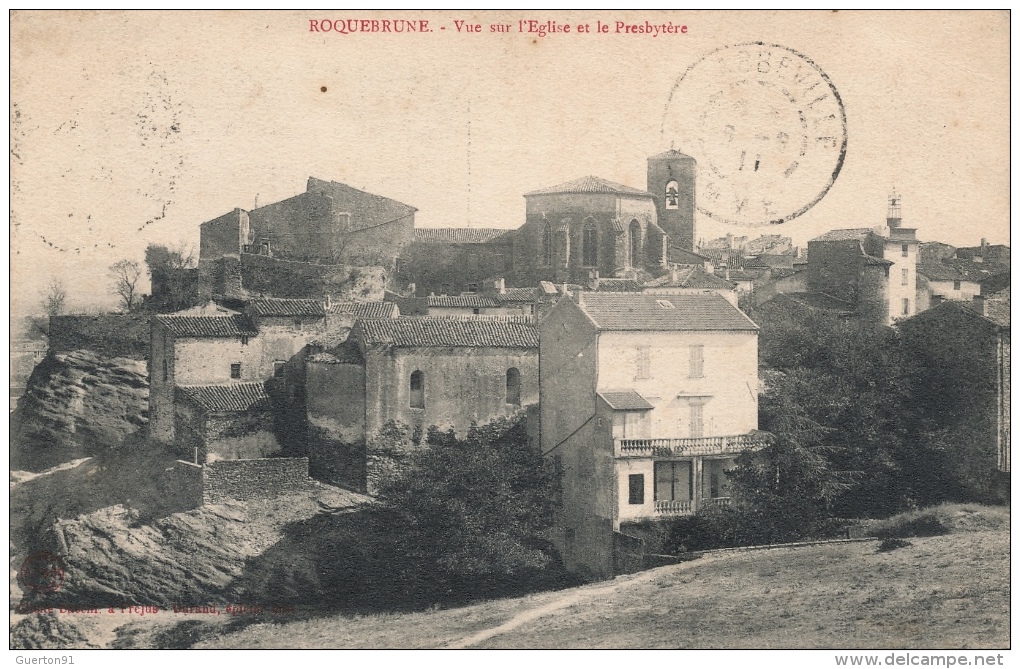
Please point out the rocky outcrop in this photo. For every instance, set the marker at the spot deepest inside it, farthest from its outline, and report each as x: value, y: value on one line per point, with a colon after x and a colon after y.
x: 77, y: 404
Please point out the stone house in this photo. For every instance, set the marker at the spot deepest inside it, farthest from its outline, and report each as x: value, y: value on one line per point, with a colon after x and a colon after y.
x: 304, y: 244
x: 419, y: 372
x: 224, y: 422
x: 646, y: 400
x: 875, y: 271
x: 937, y: 282
x: 691, y: 281
x: 961, y: 353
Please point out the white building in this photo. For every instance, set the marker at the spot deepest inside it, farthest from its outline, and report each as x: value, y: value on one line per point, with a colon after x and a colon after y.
x: 645, y: 401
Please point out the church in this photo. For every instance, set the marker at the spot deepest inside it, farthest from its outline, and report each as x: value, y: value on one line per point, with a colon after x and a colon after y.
x: 589, y: 227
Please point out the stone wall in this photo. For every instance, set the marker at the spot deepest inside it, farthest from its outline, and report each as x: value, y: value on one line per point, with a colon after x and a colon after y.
x: 110, y: 335
x: 253, y: 479
x: 183, y: 489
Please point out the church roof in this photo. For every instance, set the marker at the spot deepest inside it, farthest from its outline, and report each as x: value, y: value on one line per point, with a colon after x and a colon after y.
x: 669, y: 154
x: 590, y: 184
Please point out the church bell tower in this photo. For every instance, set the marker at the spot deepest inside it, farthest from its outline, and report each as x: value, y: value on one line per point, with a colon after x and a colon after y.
x: 671, y: 180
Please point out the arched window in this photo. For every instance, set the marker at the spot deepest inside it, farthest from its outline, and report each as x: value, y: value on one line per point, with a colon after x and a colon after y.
x: 673, y: 195
x: 547, y: 254
x: 590, y: 245
x: 417, y: 389
x: 635, y: 244
x: 513, y: 386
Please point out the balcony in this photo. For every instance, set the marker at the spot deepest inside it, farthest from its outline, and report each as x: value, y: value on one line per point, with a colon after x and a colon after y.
x: 686, y: 507
x: 676, y: 507
x: 687, y: 447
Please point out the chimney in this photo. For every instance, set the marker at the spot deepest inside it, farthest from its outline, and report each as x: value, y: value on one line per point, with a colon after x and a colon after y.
x: 327, y: 302
x: 727, y: 273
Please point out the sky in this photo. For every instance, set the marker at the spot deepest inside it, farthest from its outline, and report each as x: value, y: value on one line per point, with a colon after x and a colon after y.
x: 134, y: 128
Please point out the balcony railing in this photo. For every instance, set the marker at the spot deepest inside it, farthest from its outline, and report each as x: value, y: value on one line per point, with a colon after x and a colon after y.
x: 666, y: 448
x: 673, y: 507
x: 715, y: 501
x: 680, y: 507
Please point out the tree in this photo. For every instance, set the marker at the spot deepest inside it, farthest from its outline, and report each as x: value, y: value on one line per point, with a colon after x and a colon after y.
x: 173, y: 277
x: 472, y: 510
x: 126, y: 274
x: 56, y: 297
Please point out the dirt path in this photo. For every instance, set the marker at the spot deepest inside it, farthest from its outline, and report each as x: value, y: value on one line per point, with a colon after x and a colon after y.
x: 573, y: 597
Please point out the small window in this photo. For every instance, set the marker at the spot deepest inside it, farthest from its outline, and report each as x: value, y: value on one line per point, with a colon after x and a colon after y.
x: 235, y: 370
x: 636, y: 489
x: 644, y: 362
x: 476, y: 311
x: 906, y: 306
x: 417, y: 389
x: 297, y: 323
x: 472, y: 287
x: 244, y: 340
x: 956, y: 285
x: 165, y: 371
x: 905, y: 249
x: 513, y: 386
x: 278, y: 367
x: 904, y: 277
x: 697, y: 361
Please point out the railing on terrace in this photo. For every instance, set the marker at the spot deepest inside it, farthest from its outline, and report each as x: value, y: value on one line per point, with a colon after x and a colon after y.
x: 683, y: 447
x: 678, y: 507
x: 675, y: 506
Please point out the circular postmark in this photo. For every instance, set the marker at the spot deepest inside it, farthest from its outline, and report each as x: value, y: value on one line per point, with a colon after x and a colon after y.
x: 42, y: 572
x: 768, y: 130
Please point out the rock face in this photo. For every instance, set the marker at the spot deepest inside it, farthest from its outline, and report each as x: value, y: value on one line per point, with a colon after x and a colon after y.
x: 77, y: 404
x: 115, y: 557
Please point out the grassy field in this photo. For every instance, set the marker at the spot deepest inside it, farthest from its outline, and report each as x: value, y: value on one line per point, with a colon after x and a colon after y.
x: 945, y: 591
x: 948, y: 591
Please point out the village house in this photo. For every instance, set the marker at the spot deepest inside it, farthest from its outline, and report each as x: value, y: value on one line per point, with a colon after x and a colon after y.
x: 937, y: 282
x: 691, y: 281
x: 494, y: 299
x: 874, y: 269
x: 418, y: 372
x: 961, y: 350
x: 646, y: 400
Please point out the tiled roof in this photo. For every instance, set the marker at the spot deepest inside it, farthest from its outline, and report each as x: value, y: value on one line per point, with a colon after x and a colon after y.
x: 618, y: 286
x: 820, y: 301
x: 461, y: 301
x: 685, y: 257
x: 458, y: 235
x: 942, y: 272
x: 428, y: 331
x: 365, y: 309
x: 872, y: 260
x: 997, y: 312
x: 230, y: 397
x: 236, y: 325
x: 644, y: 311
x: 625, y: 400
x: 693, y: 277
x: 590, y: 184
x: 276, y: 306
x: 671, y: 153
x: 846, y: 234
x: 516, y: 295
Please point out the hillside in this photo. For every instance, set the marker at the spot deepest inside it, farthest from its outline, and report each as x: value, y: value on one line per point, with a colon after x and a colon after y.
x: 77, y: 404
x: 948, y: 591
